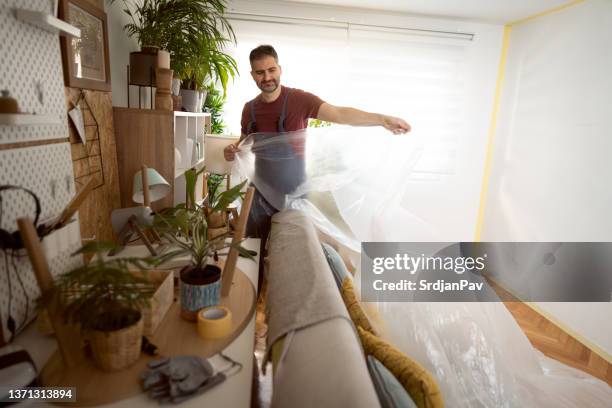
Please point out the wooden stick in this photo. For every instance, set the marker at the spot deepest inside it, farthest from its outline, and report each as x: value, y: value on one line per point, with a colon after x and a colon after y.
x: 75, y: 203
x: 145, y: 186
x: 205, y: 184
x: 232, y: 257
x: 67, y: 338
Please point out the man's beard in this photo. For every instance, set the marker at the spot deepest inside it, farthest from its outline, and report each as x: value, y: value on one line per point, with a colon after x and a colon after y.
x: 269, y: 90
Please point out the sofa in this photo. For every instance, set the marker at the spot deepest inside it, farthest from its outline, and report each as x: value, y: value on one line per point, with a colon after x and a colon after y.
x: 317, y: 357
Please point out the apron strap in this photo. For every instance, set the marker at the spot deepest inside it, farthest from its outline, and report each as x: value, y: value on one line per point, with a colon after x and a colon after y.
x: 251, y: 127
x: 283, y: 115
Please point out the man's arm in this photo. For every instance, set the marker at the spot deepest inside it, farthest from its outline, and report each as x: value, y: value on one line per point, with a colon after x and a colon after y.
x: 356, y: 117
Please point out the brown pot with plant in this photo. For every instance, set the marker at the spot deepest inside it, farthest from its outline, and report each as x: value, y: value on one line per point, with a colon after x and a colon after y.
x: 106, y: 300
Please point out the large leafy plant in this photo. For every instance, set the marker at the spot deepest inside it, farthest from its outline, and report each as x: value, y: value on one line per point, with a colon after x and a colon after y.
x: 103, y: 294
x: 195, y: 32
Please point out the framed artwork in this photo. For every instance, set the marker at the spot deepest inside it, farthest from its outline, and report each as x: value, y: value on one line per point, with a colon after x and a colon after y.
x: 85, y: 60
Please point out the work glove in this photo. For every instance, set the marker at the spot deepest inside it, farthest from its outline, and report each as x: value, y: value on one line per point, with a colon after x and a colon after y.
x: 178, y: 378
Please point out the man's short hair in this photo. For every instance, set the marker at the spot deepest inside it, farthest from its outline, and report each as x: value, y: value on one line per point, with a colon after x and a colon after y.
x: 261, y: 52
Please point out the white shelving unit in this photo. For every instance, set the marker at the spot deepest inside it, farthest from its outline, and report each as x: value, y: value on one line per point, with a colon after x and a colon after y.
x: 189, y: 131
x: 47, y: 22
x: 189, y: 140
x: 25, y: 119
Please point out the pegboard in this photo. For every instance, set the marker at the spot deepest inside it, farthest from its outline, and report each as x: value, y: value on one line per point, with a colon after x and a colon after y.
x: 47, y: 171
x: 31, y: 65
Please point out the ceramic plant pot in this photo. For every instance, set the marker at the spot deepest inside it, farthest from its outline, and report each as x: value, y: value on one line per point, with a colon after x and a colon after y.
x: 117, y: 349
x: 199, y: 289
x: 193, y: 100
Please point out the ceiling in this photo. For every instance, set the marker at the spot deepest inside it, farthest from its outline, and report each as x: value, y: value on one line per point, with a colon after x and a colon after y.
x: 495, y: 11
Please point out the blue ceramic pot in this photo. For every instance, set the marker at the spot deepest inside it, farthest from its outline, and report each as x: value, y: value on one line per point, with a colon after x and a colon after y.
x: 199, y: 288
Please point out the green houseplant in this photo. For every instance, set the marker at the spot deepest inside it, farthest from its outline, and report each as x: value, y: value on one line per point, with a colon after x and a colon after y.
x: 106, y: 300
x: 194, y: 32
x: 214, y: 105
x: 187, y: 228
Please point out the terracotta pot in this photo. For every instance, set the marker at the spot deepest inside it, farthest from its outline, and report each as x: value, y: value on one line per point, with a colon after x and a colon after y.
x: 118, y: 349
x: 217, y: 219
x: 199, y: 289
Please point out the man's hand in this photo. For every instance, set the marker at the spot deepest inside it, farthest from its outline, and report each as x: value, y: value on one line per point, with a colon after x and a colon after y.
x: 395, y: 125
x: 230, y: 152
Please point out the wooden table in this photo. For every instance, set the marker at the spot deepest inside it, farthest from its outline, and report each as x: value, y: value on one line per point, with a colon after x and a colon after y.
x: 234, y: 392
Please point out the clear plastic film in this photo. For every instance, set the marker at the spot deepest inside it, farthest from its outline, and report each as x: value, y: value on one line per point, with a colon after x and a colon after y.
x: 349, y: 180
x: 353, y: 184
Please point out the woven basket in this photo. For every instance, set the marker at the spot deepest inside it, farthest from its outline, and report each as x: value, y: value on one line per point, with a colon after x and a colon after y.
x: 116, y: 350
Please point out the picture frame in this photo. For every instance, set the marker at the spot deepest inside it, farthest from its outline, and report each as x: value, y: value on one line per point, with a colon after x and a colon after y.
x: 85, y: 60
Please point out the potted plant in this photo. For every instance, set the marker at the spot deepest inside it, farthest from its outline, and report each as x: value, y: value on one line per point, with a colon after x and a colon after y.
x: 217, y: 204
x: 200, y: 281
x: 152, y: 21
x: 204, y: 64
x: 194, y: 32
x: 106, y: 300
x: 214, y: 105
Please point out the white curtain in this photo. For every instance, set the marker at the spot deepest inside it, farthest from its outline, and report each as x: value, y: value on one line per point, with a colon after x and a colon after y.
x: 426, y: 78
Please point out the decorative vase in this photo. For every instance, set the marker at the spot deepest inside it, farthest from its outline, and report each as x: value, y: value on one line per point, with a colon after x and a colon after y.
x: 199, y: 288
x: 163, y: 81
x: 176, y: 86
x: 144, y: 62
x: 163, y: 59
x: 117, y: 349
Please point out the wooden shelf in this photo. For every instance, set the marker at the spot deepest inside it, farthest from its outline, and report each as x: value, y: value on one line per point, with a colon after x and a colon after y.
x: 24, y: 119
x: 150, y: 137
x: 47, y: 22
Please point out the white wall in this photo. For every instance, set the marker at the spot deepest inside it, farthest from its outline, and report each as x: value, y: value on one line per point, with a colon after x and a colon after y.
x: 448, y: 202
x: 550, y: 177
x: 120, y: 46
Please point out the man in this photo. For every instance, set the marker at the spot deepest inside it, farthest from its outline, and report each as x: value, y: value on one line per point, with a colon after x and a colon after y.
x: 281, y: 109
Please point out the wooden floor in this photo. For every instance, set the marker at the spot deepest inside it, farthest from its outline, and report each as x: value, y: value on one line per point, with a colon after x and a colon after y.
x: 552, y: 340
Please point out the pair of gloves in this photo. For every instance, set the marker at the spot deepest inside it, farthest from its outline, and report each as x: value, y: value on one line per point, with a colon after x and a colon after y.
x: 176, y: 379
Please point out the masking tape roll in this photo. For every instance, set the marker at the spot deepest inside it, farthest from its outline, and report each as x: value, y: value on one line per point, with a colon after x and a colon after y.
x: 214, y: 322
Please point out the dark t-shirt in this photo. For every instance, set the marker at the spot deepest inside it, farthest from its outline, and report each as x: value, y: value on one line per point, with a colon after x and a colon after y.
x: 301, y: 105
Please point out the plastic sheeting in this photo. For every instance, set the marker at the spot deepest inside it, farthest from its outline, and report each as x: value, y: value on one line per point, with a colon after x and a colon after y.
x: 353, y: 184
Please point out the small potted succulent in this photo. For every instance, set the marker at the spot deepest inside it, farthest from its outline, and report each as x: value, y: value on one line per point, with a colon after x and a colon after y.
x: 106, y: 300
x: 200, y: 281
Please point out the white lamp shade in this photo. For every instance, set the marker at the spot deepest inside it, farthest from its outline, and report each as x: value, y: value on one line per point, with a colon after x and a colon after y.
x: 158, y: 186
x: 213, y: 153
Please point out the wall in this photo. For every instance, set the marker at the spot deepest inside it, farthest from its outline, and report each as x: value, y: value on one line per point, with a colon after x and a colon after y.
x: 120, y: 46
x: 36, y: 157
x: 550, y: 162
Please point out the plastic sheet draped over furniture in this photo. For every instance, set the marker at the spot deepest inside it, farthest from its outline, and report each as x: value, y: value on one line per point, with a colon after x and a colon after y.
x: 476, y: 351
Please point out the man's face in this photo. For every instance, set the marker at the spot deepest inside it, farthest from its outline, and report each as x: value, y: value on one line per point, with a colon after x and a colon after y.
x: 266, y: 74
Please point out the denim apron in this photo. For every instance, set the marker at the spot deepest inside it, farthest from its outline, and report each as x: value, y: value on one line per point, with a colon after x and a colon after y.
x: 276, y: 165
